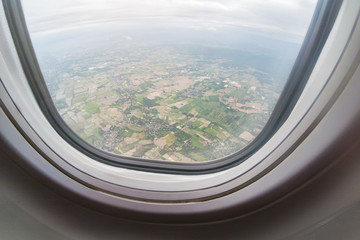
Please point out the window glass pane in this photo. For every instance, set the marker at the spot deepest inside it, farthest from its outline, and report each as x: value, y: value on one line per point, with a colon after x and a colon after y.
x: 176, y: 80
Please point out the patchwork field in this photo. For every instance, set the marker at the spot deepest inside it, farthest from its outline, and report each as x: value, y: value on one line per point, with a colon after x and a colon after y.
x: 163, y: 103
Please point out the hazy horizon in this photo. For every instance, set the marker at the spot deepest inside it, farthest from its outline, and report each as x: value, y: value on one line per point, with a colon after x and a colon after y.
x: 279, y: 19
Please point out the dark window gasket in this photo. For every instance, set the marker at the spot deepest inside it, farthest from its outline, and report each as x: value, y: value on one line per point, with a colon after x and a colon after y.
x: 322, y: 22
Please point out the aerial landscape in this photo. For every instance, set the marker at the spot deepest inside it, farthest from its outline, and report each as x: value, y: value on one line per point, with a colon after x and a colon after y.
x: 169, y: 102
x: 180, y: 81
x: 169, y: 82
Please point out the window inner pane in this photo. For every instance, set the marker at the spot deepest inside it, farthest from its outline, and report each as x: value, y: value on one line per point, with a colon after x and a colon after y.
x: 186, y: 81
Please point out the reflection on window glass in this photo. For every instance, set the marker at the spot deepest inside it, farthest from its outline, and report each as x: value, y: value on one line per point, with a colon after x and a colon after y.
x: 176, y: 80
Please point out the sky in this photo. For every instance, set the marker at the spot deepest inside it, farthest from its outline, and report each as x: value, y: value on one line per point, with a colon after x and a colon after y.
x: 286, y: 18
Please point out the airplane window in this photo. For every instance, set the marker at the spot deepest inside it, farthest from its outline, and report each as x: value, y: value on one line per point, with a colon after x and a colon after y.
x: 183, y: 81
x: 188, y: 58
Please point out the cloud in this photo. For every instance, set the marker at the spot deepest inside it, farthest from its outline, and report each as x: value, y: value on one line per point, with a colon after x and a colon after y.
x: 268, y: 17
